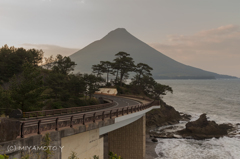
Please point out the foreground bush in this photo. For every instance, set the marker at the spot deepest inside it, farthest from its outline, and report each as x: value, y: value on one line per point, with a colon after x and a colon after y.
x: 114, y: 156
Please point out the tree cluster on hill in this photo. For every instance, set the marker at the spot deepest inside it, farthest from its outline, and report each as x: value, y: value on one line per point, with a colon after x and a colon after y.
x: 141, y: 83
x: 35, y: 87
x: 12, y: 60
x: 120, y: 67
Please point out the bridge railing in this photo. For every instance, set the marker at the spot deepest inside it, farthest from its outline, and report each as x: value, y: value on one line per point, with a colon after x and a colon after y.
x: 55, y: 123
x: 134, y: 96
x: 52, y: 112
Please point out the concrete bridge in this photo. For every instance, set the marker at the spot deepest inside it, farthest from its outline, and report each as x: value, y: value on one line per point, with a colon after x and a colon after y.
x: 118, y: 127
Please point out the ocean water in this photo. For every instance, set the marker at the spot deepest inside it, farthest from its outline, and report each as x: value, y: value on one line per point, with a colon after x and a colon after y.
x: 220, y: 100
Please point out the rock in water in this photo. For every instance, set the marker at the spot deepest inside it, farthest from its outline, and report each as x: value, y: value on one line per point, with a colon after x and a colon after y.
x: 202, y: 129
x: 154, y: 140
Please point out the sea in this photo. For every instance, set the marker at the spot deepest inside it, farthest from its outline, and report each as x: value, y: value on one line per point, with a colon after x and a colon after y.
x: 220, y: 100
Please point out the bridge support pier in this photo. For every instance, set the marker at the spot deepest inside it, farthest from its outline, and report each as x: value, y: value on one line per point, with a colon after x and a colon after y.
x: 129, y: 141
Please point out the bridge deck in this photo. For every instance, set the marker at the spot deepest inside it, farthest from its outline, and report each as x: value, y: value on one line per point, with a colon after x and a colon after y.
x: 121, y: 106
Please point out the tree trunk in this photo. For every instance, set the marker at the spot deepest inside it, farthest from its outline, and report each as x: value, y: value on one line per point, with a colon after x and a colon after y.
x: 107, y: 76
x: 121, y: 77
x: 137, y: 79
x: 116, y: 76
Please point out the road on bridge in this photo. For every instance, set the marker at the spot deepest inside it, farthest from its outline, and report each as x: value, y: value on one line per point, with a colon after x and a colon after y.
x: 120, y: 107
x: 118, y: 102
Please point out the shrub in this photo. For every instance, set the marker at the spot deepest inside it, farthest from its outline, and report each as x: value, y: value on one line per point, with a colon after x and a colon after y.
x: 66, y: 105
x: 114, y: 156
x: 93, y: 102
x: 5, y: 157
x: 95, y: 157
x: 1, y: 113
x: 57, y: 105
x: 26, y: 156
x: 120, y: 90
x: 47, y: 142
x: 73, y: 155
x: 65, y: 97
x: 79, y: 101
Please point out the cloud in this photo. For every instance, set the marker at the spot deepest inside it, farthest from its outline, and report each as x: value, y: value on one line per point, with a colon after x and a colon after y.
x: 51, y: 49
x: 216, y: 50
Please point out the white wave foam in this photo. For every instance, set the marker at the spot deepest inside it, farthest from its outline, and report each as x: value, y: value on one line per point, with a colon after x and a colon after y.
x: 219, y: 99
x: 223, y: 148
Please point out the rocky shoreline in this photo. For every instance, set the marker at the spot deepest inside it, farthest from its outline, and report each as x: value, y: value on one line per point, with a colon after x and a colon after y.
x: 200, y: 129
x: 164, y: 123
x: 164, y: 116
x: 204, y: 129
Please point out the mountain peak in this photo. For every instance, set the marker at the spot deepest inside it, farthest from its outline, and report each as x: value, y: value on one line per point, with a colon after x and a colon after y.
x: 119, y: 30
x: 121, y: 40
x: 118, y: 33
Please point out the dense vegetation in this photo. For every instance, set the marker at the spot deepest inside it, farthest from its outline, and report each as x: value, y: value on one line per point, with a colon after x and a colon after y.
x: 141, y: 83
x: 29, y: 84
x: 12, y: 60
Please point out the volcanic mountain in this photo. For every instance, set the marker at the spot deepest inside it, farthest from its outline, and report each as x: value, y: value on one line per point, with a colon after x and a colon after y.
x: 121, y: 40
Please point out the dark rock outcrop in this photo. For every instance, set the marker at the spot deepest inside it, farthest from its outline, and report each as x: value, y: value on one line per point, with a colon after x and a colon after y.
x: 166, y: 115
x: 202, y: 129
x: 154, y: 140
x: 185, y: 117
x: 9, y: 129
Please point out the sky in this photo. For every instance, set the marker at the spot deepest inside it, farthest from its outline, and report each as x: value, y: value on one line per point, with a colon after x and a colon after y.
x: 199, y: 33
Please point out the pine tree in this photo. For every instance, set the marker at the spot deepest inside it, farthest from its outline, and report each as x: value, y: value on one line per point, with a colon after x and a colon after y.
x: 57, y: 82
x: 125, y: 64
x: 142, y: 69
x: 98, y: 70
x: 5, y: 99
x: 63, y: 65
x: 92, y: 83
x: 26, y: 88
x: 107, y: 68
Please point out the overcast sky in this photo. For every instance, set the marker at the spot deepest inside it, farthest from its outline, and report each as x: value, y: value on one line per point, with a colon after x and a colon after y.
x: 200, y: 33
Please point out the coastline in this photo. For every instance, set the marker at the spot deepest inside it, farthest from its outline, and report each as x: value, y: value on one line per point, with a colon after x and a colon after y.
x: 219, y: 100
x: 150, y: 148
x: 164, y: 116
x: 152, y: 152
